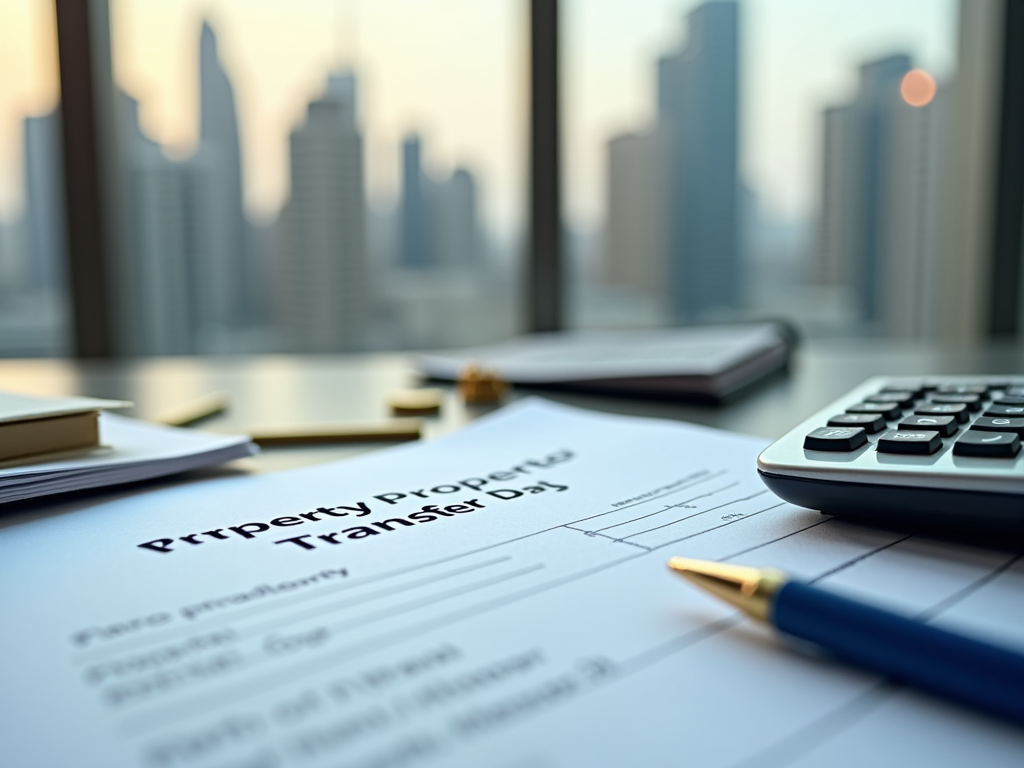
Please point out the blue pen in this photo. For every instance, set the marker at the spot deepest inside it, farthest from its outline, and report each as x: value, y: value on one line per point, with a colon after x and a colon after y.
x: 944, y: 663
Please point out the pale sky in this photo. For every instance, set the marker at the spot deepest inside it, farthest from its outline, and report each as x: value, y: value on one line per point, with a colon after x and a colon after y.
x: 455, y: 70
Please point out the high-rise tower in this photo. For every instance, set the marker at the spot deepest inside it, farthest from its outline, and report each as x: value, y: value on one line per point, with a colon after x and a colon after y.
x: 881, y: 172
x: 322, y: 275
x: 44, y: 202
x: 415, y: 239
x: 219, y: 139
x: 180, y: 233
x: 698, y: 95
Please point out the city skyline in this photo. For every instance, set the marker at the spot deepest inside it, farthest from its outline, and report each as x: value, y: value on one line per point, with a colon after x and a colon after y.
x: 798, y: 56
x: 196, y: 244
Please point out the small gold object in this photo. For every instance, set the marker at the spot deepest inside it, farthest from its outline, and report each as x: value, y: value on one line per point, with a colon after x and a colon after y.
x: 416, y: 402
x: 196, y: 410
x: 752, y: 590
x: 477, y: 385
x: 393, y: 430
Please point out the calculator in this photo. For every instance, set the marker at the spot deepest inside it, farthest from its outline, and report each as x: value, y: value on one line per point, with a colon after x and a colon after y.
x: 939, y: 455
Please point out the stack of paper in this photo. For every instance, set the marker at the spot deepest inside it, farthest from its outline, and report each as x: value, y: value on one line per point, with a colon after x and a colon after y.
x: 40, y: 428
x: 136, y: 450
x: 705, y: 363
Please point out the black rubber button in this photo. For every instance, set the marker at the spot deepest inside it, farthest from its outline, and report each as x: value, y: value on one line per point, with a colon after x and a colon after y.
x: 973, y: 402
x: 1008, y: 401
x: 962, y: 389
x: 998, y: 384
x: 999, y: 424
x: 903, y: 399
x: 916, y: 388
x: 839, y: 439
x: 988, y: 445
x: 1005, y: 410
x: 944, y: 425
x: 920, y: 442
x: 956, y: 410
x: 888, y: 411
x: 871, y: 422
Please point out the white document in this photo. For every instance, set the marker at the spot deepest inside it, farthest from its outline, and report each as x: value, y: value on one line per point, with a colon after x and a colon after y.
x: 133, y: 450
x: 498, y: 597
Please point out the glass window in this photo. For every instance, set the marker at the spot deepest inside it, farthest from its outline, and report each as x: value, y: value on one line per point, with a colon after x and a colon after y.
x: 322, y: 176
x: 764, y: 158
x: 33, y: 308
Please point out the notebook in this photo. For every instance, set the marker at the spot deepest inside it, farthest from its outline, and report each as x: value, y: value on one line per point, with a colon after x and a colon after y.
x: 709, y: 363
x: 33, y: 428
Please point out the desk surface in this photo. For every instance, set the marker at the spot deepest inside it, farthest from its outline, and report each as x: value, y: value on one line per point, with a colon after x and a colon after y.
x: 81, y: 589
x: 268, y: 391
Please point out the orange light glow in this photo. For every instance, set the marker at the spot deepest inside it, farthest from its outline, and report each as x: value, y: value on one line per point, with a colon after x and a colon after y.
x: 917, y: 88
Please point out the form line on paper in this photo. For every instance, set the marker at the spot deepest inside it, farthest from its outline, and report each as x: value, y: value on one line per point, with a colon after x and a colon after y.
x: 702, y: 512
x: 723, y: 525
x: 155, y: 641
x: 854, y: 561
x: 671, y: 506
x: 685, y: 484
x: 260, y: 629
x: 606, y: 536
x: 134, y: 726
x: 290, y: 673
x: 734, y: 555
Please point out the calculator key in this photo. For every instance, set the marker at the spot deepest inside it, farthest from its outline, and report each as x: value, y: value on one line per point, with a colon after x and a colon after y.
x: 914, y: 387
x: 840, y: 439
x: 871, y: 422
x: 990, y: 445
x: 944, y: 425
x: 903, y: 399
x: 1005, y: 410
x: 962, y: 389
x: 887, y: 411
x: 957, y: 410
x: 973, y: 402
x: 1008, y: 401
x: 999, y: 424
x: 997, y: 384
x: 916, y: 441
x: 1014, y: 392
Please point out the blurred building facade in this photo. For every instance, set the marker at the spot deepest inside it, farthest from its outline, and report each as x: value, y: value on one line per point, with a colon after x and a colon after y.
x: 883, y: 169
x: 440, y: 287
x: 638, y: 204
x: 416, y: 241
x: 219, y: 139
x: 673, y: 213
x: 44, y: 203
x: 454, y: 213
x: 321, y: 269
x: 192, y: 278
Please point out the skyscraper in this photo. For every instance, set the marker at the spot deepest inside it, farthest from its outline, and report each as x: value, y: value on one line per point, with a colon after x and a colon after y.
x: 698, y: 107
x: 181, y: 228
x: 416, y: 239
x: 638, y: 223
x: 322, y: 271
x: 44, y: 203
x: 881, y: 172
x: 218, y: 135
x: 452, y: 205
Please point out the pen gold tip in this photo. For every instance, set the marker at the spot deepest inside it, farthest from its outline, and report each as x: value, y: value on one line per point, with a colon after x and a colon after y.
x: 750, y: 589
